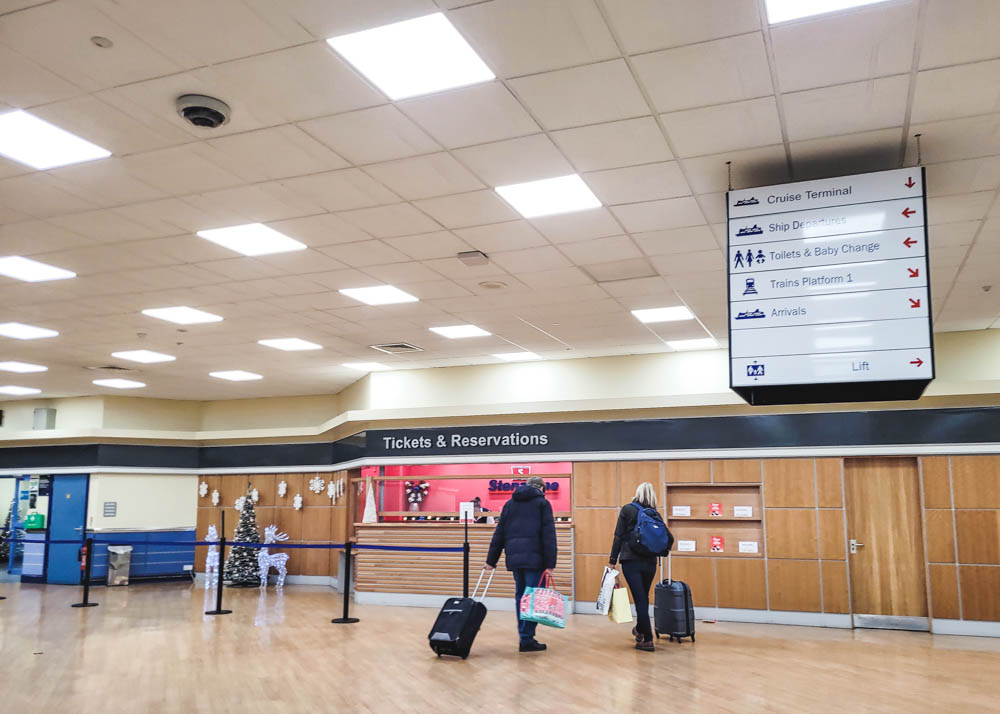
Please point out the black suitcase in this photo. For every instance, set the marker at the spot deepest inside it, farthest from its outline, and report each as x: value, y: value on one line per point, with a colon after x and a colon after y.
x: 673, y: 611
x: 458, y: 623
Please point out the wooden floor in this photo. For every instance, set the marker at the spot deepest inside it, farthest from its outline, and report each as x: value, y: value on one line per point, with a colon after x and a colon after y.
x: 149, y: 648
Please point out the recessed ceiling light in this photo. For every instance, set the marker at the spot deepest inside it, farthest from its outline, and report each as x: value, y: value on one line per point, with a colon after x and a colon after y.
x: 29, y: 140
x: 182, y: 315
x: 119, y: 383
x: 563, y: 194
x: 455, y: 332
x: 413, y: 57
x: 702, y: 343
x: 378, y: 295
x: 290, y: 344
x: 785, y: 10
x: 252, y: 239
x: 144, y: 356
x: 22, y: 367
x: 235, y: 375
x: 663, y: 314
x: 20, y: 331
x: 18, y: 391
x: 31, y: 271
x: 367, y: 366
x: 517, y: 356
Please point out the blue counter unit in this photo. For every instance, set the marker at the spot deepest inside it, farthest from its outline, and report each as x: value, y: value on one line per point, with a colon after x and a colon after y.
x: 148, y: 561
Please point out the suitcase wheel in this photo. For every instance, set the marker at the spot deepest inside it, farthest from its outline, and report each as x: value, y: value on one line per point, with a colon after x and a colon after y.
x: 657, y: 634
x: 692, y: 638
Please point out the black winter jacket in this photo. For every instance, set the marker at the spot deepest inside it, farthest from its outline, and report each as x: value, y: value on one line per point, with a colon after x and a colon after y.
x: 621, y: 548
x: 527, y: 531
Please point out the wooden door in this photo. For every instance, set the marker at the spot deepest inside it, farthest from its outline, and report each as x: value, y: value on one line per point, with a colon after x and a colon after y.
x: 888, y: 586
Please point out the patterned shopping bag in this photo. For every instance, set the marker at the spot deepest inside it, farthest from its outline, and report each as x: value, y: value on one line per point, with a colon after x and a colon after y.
x: 543, y: 604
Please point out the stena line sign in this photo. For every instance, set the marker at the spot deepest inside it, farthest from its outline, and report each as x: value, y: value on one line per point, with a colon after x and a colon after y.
x: 829, y: 296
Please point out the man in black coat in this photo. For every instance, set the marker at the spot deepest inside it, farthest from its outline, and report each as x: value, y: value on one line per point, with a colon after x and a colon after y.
x: 527, y: 532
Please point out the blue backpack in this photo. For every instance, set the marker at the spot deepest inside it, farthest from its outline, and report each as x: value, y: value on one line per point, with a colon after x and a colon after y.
x: 651, y: 535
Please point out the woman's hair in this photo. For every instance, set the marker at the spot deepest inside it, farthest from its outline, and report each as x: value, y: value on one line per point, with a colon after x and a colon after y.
x: 646, y: 495
x: 538, y: 482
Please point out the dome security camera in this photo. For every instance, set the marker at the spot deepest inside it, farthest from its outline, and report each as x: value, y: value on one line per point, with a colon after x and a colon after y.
x: 203, y: 112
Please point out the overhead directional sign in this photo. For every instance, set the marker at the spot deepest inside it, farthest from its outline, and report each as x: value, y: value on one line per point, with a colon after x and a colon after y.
x: 829, y: 290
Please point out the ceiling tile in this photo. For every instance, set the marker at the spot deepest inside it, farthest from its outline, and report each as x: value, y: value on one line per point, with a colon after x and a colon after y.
x: 502, y: 236
x: 190, y: 168
x: 726, y: 127
x: 678, y: 240
x: 958, y: 31
x: 601, y: 250
x: 505, y: 162
x: 24, y: 83
x: 530, y: 260
x: 613, y: 144
x: 40, y: 195
x: 645, y: 25
x: 106, y: 182
x: 638, y: 183
x: 31, y: 237
x: 400, y: 219
x: 424, y: 176
x: 764, y: 166
x: 400, y: 273
x: 867, y: 43
x: 440, y: 244
x: 363, y: 254
x: 274, y: 153
x: 845, y: 155
x: 582, y: 95
x: 613, y: 271
x: 847, y: 108
x: 659, y: 215
x: 330, y: 18
x: 715, y: 72
x: 257, y: 203
x: 320, y: 230
x: 470, y: 115
x: 519, y: 37
x: 341, y: 190
x: 104, y: 226
x: 956, y: 139
x: 954, y: 92
x: 369, y: 135
x: 713, y: 206
x: 952, y: 235
x: 688, y: 263
x: 455, y: 269
x: 467, y: 209
x: 582, y: 225
x: 963, y: 176
x: 964, y: 207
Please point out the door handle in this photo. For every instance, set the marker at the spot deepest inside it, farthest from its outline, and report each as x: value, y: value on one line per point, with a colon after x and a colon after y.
x: 855, y: 545
x: 78, y: 529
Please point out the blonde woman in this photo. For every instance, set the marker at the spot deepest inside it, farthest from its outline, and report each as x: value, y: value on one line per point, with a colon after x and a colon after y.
x: 638, y: 564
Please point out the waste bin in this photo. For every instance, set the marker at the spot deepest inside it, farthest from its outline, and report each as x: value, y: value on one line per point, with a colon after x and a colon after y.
x: 119, y: 562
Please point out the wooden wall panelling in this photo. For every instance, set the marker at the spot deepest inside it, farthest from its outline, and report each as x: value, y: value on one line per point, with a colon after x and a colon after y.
x: 589, y: 569
x: 940, y: 529
x: 736, y: 470
x: 699, y: 574
x: 233, y: 486
x: 338, y: 525
x: 978, y: 537
x: 789, y: 483
x: 290, y: 522
x: 214, y: 483
x: 741, y: 583
x: 831, y: 535
x: 688, y: 471
x: 937, y: 484
x: 794, y: 585
x: 595, y: 529
x: 829, y: 483
x: 980, y: 586
x: 632, y: 473
x: 595, y: 484
x: 264, y: 483
x: 314, y: 561
x: 944, y: 591
x: 976, y: 481
x: 295, y: 484
x: 204, y: 516
x: 835, y: 597
x: 732, y: 533
x: 316, y: 523
x: 315, y: 499
x: 791, y: 533
x: 700, y: 497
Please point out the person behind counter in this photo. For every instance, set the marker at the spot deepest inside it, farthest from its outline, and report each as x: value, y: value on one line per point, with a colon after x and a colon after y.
x: 638, y: 568
x: 527, y: 532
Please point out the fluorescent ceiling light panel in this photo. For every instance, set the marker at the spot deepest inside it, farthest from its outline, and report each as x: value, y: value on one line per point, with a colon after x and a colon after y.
x: 144, y: 356
x: 22, y: 367
x: 413, y: 57
x: 367, y: 366
x: 785, y: 10
x: 119, y: 383
x: 290, y: 344
x: 235, y: 375
x: 21, y: 331
x: 563, y: 194
x: 703, y: 343
x: 378, y: 295
x: 663, y: 314
x: 29, y: 140
x: 18, y: 391
x: 455, y: 332
x: 517, y: 356
x: 31, y: 271
x: 252, y: 239
x: 182, y: 315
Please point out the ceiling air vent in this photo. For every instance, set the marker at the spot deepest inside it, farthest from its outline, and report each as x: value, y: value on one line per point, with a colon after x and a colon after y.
x: 397, y: 348
x: 108, y: 368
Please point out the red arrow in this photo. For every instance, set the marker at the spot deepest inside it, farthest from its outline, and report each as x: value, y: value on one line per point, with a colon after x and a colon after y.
x: 917, y: 361
x: 914, y: 303
x: 914, y: 272
x: 907, y: 212
x: 909, y: 182
x: 909, y: 242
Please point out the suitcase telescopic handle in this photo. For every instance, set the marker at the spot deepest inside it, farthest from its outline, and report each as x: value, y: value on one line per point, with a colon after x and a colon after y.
x: 480, y: 580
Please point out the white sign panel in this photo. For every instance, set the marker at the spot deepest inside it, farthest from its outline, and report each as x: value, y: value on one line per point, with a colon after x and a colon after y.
x: 748, y: 546
x: 687, y: 546
x: 828, y: 282
x: 743, y: 511
x: 680, y: 511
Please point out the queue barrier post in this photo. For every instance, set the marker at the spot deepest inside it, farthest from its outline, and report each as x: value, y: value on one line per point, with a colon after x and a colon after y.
x: 88, y: 553
x: 346, y: 619
x: 218, y: 572
x: 465, y: 561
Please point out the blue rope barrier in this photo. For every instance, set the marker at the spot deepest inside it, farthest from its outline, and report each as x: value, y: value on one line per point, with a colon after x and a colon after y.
x: 276, y: 546
x: 414, y: 548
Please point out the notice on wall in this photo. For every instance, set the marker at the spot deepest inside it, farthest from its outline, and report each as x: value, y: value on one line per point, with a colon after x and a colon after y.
x: 466, y: 510
x: 718, y: 544
x: 748, y: 546
x: 828, y: 285
x: 715, y: 510
x: 743, y: 511
x: 687, y: 546
x: 680, y: 511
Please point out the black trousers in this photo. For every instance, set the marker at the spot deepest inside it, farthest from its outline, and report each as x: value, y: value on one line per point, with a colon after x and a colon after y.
x: 639, y: 575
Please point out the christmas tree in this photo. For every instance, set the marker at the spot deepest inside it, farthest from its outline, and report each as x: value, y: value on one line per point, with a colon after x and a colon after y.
x: 241, y: 569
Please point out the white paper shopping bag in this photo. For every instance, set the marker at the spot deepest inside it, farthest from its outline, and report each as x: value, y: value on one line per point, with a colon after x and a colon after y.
x: 607, y: 585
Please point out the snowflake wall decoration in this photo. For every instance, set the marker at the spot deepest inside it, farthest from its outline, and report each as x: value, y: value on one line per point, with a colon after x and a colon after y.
x: 255, y: 495
x: 282, y: 488
x: 215, y: 497
x: 331, y: 490
x: 240, y: 502
x: 203, y: 489
x: 297, y: 502
x: 316, y: 484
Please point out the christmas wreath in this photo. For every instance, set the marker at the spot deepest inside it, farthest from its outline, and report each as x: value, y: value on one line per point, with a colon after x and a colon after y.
x: 416, y: 491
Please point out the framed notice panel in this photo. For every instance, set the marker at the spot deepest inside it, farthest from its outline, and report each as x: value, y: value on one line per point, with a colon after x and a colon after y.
x: 829, y: 292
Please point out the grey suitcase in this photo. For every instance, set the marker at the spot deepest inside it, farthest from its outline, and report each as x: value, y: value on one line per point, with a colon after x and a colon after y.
x: 673, y: 610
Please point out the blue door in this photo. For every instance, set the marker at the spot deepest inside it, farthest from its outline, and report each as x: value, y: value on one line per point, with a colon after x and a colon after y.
x: 67, y: 513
